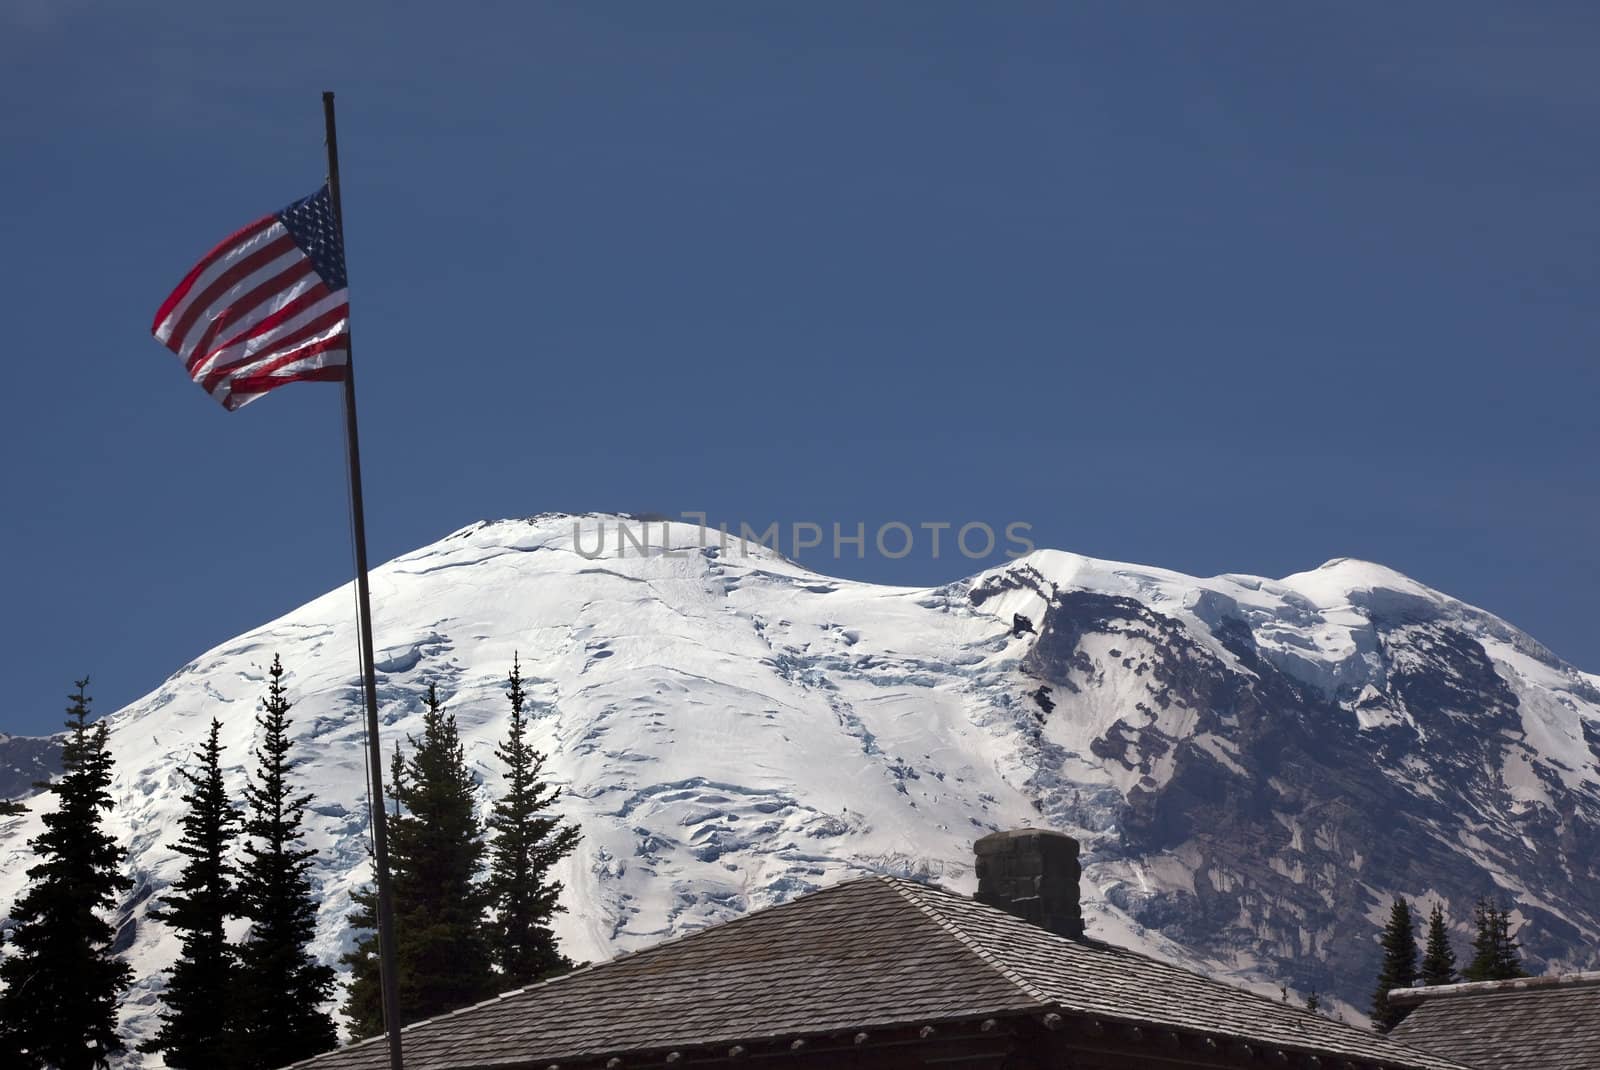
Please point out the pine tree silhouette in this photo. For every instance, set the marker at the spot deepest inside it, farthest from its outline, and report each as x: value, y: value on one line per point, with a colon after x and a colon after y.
x: 1399, y: 965
x: 528, y: 842
x: 1495, y: 954
x: 1439, y: 958
x: 363, y: 1004
x: 195, y: 1031
x: 436, y: 853
x: 61, y: 985
x: 281, y: 986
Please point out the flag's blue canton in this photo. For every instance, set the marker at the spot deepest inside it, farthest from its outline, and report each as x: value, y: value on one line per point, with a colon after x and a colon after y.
x: 310, y: 222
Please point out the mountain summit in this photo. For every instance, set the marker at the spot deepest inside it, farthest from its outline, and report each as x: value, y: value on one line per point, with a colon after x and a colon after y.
x: 1254, y: 766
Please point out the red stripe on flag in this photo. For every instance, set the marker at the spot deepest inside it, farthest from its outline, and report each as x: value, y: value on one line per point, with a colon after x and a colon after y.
x: 241, y: 309
x: 308, y: 330
x: 288, y: 312
x: 237, y: 237
x: 260, y: 334
x: 223, y: 283
x: 285, y: 359
x: 248, y: 389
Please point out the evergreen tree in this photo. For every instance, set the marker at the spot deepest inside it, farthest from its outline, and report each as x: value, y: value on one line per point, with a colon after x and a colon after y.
x: 61, y: 984
x: 528, y: 842
x: 10, y: 809
x: 1439, y: 958
x: 1399, y: 965
x: 194, y: 1024
x: 363, y: 1007
x: 281, y: 986
x: 1314, y: 1002
x: 1495, y: 954
x: 436, y: 853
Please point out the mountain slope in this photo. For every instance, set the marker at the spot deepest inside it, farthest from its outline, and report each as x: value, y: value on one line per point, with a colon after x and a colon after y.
x: 1254, y: 765
x: 25, y: 761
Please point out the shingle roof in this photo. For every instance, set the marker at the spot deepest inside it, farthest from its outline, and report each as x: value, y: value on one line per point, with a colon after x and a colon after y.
x: 870, y: 953
x: 1535, y: 1023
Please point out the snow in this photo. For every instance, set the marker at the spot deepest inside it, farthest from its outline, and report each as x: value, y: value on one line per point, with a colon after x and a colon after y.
x: 732, y: 730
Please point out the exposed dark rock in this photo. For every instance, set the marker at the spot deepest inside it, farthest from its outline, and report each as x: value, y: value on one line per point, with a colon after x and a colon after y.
x: 1014, y: 579
x: 1305, y: 813
x: 25, y: 761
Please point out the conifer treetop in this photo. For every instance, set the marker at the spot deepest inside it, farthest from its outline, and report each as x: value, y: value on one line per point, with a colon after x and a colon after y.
x: 1399, y: 969
x: 436, y: 849
x: 60, y: 988
x: 1496, y: 954
x: 1438, y: 958
x: 282, y: 984
x: 198, y: 1013
x: 529, y: 839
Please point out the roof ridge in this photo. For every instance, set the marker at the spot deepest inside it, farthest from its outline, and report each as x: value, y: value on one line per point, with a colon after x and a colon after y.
x: 905, y: 890
x: 913, y: 891
x: 1423, y: 993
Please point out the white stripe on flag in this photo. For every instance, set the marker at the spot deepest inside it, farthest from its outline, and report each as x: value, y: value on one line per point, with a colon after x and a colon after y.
x: 220, y: 305
x: 264, y: 345
x: 215, y: 271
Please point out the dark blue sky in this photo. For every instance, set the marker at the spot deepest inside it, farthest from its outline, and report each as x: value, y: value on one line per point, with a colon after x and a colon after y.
x: 1229, y: 287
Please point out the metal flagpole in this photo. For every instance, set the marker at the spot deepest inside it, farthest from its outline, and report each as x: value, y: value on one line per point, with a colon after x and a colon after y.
x: 387, y: 972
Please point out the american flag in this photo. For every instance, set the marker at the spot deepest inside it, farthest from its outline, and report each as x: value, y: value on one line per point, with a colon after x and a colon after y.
x: 267, y: 307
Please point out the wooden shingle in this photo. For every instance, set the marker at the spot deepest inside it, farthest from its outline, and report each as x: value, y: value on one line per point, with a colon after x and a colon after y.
x: 1533, y: 1023
x: 860, y: 957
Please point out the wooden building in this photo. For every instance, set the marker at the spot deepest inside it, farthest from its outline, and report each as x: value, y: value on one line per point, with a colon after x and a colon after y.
x: 888, y: 973
x: 1532, y: 1023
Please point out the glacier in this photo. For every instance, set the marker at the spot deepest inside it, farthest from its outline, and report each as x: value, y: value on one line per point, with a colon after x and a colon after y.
x: 1254, y: 766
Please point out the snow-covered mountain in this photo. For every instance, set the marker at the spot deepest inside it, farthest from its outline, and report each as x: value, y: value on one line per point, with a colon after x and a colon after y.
x: 26, y: 761
x: 1254, y: 766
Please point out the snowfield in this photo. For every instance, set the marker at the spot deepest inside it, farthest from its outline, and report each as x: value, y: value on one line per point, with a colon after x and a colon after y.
x: 733, y: 730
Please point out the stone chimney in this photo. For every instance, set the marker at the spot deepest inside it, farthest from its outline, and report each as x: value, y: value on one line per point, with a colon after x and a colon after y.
x: 1032, y: 873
